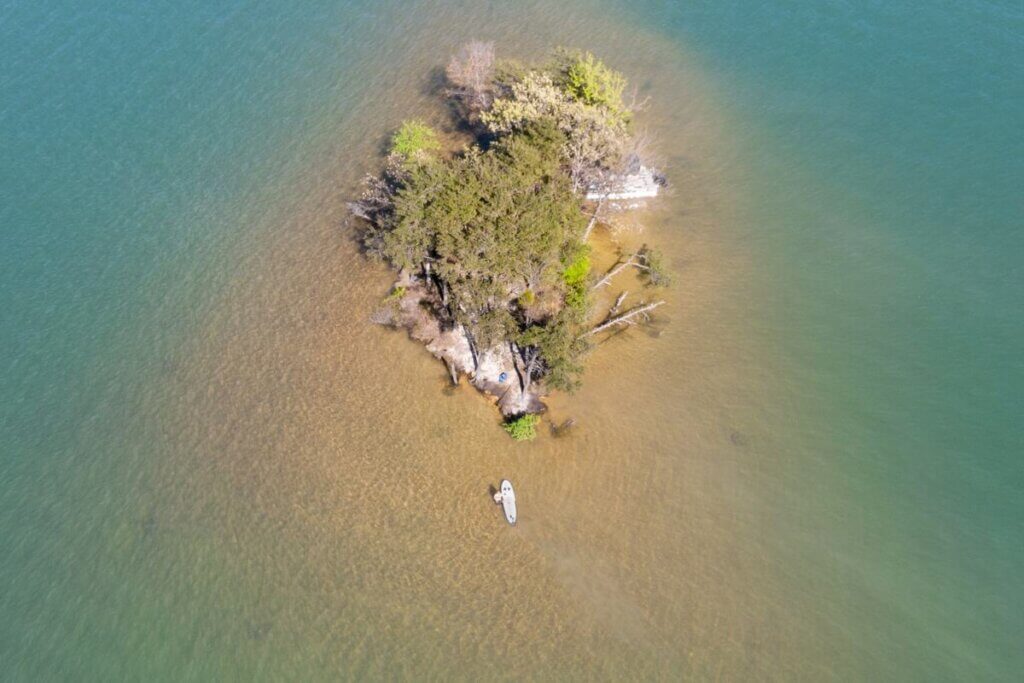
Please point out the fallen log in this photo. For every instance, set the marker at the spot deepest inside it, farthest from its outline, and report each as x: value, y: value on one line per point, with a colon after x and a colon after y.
x: 623, y: 318
x: 593, y: 221
x: 615, y: 270
x: 618, y: 303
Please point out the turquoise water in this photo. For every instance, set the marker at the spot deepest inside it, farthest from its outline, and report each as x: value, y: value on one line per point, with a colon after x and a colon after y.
x: 887, y: 158
x: 165, y: 167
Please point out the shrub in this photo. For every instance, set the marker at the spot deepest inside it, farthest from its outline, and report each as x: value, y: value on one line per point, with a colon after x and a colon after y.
x: 591, y: 82
x: 522, y: 428
x: 657, y: 273
x: 414, y: 139
x: 576, y: 272
x: 527, y: 298
x: 561, y: 347
x: 575, y: 278
x: 576, y: 298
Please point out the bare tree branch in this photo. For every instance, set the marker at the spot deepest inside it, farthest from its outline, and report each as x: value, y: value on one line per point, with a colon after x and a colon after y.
x: 643, y: 259
x: 618, y: 303
x: 616, y: 269
x: 635, y: 104
x: 593, y: 220
x: 623, y: 318
x: 470, y: 71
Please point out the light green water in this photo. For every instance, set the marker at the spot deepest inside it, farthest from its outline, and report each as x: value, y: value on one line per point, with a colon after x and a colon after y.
x: 213, y: 467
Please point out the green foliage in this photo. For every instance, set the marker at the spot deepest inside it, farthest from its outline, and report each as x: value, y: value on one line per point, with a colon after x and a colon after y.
x: 490, y: 219
x: 561, y: 347
x: 575, y: 278
x: 393, y: 300
x: 578, y: 269
x: 576, y: 298
x: 588, y: 80
x: 657, y: 274
x: 594, y: 136
x: 494, y: 326
x: 522, y: 428
x: 414, y: 140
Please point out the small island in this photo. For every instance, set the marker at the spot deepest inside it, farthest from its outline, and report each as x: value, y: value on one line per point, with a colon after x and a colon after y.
x: 488, y: 228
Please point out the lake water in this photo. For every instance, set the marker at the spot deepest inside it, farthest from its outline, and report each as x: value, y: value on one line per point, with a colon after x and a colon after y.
x: 213, y: 466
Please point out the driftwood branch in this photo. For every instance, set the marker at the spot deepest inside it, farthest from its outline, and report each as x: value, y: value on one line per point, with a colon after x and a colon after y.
x: 624, y: 318
x: 616, y: 269
x: 644, y: 260
x: 618, y: 303
x: 635, y: 103
x: 593, y: 221
x: 360, y: 210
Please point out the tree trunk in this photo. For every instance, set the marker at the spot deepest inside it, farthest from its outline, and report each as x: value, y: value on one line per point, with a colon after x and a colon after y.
x: 472, y: 347
x: 618, y: 302
x: 623, y: 318
x: 515, y: 364
x: 531, y: 365
x: 613, y: 271
x: 593, y: 221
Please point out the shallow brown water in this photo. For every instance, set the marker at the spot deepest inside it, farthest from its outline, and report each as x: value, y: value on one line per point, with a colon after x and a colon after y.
x: 342, y: 487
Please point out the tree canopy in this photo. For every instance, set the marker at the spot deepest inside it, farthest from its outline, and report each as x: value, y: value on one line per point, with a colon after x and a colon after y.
x: 590, y: 81
x: 499, y: 227
x: 492, y: 223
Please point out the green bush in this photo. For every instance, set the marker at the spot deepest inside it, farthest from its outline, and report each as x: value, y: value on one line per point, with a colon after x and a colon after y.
x: 575, y: 278
x: 527, y: 298
x: 591, y: 82
x: 414, y: 139
x: 522, y: 428
x: 576, y: 298
x: 576, y: 272
x: 561, y: 347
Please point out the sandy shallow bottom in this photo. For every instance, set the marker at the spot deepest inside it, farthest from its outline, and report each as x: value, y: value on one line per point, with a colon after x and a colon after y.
x: 332, y: 490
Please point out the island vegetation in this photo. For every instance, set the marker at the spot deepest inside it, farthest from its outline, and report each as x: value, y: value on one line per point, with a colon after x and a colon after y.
x: 488, y: 227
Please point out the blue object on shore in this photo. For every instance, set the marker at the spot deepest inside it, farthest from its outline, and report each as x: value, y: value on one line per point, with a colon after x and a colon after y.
x: 502, y: 377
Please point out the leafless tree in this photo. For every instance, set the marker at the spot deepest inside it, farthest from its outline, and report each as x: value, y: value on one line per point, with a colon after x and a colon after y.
x: 635, y: 103
x: 644, y: 259
x: 470, y: 73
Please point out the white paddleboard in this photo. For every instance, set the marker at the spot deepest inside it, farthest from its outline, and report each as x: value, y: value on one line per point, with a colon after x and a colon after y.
x: 508, y: 501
